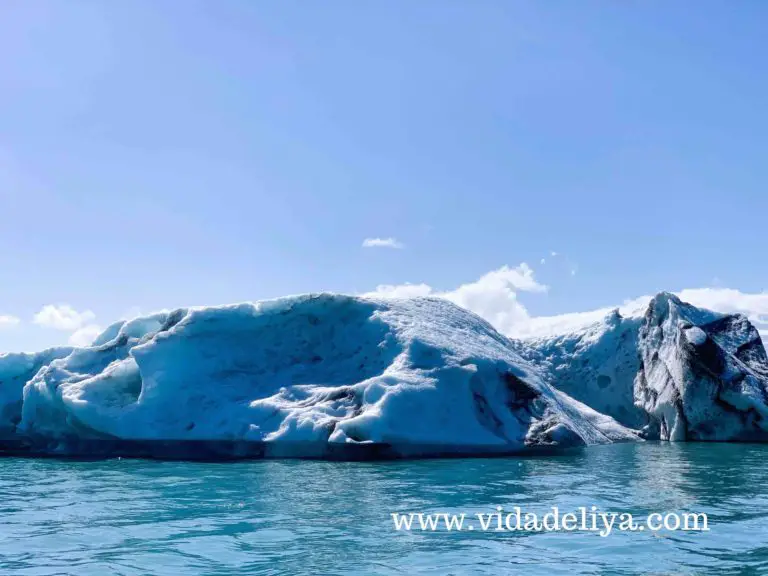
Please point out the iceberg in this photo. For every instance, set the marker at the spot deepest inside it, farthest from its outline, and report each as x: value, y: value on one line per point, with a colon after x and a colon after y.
x: 345, y: 377
x: 15, y: 371
x: 596, y: 365
x: 318, y: 375
x: 671, y: 371
x: 703, y: 376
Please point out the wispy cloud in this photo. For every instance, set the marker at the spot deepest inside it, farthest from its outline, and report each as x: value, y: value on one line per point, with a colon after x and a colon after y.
x: 7, y: 321
x: 383, y: 243
x: 62, y: 317
x: 406, y: 290
x: 85, y: 335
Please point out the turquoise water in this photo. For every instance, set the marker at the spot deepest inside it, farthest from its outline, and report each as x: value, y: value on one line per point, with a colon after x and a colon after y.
x: 303, y: 517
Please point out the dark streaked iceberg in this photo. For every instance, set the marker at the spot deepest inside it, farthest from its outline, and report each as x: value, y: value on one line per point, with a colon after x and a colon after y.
x: 703, y: 376
x: 672, y: 371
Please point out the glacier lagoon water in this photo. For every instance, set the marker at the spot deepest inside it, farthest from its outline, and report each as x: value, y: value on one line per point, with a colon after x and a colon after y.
x: 310, y: 517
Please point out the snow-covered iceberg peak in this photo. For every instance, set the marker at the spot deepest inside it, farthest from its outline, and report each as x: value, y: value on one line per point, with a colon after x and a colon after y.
x: 319, y: 375
x: 703, y: 375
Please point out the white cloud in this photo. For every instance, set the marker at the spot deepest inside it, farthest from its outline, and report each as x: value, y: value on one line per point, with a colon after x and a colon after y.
x: 85, y: 335
x: 402, y: 290
x: 728, y: 300
x: 62, y: 317
x: 382, y: 243
x: 494, y: 297
x: 724, y: 300
x: 7, y: 322
x: 545, y: 326
x: 553, y: 253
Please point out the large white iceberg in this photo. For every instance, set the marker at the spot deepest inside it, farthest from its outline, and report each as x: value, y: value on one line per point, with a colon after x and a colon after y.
x: 334, y: 376
x: 316, y: 375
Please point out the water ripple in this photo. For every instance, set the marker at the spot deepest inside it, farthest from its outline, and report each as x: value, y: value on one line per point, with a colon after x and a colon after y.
x: 134, y: 517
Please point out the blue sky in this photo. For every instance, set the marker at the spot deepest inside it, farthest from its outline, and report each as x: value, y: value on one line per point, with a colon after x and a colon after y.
x: 162, y: 154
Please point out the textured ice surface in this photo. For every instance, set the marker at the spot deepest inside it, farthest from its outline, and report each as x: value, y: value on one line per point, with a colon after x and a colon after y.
x: 306, y: 375
x: 703, y: 375
x: 596, y: 365
x: 332, y: 376
x: 676, y: 372
x: 15, y: 371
